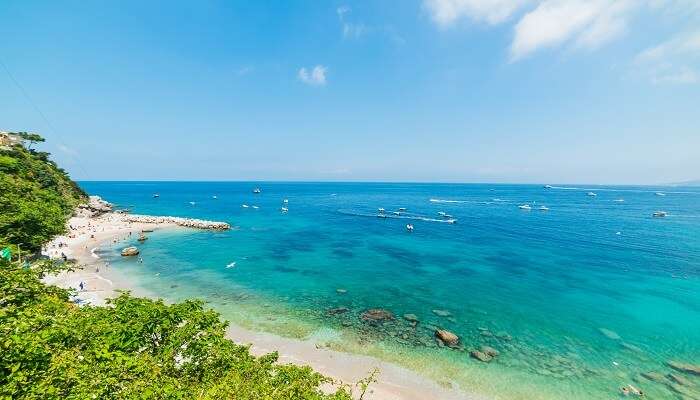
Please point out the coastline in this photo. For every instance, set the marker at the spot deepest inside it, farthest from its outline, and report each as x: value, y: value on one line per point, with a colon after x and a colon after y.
x: 87, y: 234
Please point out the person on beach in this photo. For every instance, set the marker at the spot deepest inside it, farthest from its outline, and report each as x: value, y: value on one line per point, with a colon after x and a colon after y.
x: 82, y: 286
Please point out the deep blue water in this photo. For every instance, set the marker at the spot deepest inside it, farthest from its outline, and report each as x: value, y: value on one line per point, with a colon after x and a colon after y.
x: 536, y: 285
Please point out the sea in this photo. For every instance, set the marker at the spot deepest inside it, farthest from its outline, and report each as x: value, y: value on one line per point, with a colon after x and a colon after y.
x: 582, y: 294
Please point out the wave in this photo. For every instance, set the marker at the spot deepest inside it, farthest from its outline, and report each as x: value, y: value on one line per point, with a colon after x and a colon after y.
x: 92, y: 253
x: 447, y: 201
x: 394, y: 216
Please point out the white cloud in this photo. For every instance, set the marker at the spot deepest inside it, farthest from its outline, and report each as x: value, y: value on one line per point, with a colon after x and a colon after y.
x: 585, y: 23
x: 350, y: 29
x: 315, y: 77
x: 676, y: 61
x: 446, y: 12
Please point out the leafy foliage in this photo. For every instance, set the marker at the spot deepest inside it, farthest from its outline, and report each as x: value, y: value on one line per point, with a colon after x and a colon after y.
x: 137, y: 348
x: 36, y: 197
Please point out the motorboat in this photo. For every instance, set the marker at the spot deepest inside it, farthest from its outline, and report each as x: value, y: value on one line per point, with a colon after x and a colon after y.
x: 409, y: 227
x: 192, y: 203
x: 544, y: 208
x: 214, y: 197
x: 397, y: 212
x: 230, y: 265
x: 381, y: 210
x: 660, y: 194
x: 256, y: 207
x: 244, y: 205
x: 591, y: 194
x: 525, y: 207
x: 547, y: 186
x: 257, y: 190
x: 441, y: 213
x: 659, y: 214
x: 451, y: 221
x: 156, y: 195
x: 284, y: 209
x: 402, y: 208
x: 285, y: 201
x: 381, y: 215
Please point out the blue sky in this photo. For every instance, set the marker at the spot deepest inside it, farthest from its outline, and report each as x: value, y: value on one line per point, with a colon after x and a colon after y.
x: 595, y: 91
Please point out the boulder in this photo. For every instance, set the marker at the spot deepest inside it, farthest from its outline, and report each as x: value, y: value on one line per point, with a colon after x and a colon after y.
x: 685, y: 367
x: 480, y: 355
x: 446, y: 337
x: 337, y: 310
x: 377, y: 315
x: 130, y: 251
x: 490, y: 351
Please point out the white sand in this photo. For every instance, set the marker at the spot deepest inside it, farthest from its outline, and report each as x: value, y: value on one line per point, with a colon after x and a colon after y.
x: 101, y: 282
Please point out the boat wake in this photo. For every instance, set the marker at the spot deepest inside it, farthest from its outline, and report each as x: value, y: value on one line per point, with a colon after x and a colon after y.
x: 447, y: 201
x: 400, y: 216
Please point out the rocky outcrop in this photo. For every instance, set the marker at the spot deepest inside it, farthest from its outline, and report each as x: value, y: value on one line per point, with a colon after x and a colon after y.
x: 130, y: 251
x: 93, y: 208
x: 447, y: 338
x: 337, y: 310
x: 411, y: 318
x: 185, y: 222
x: 480, y: 355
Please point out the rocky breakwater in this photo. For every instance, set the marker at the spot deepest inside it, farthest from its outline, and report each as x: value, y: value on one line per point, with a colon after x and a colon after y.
x: 185, y: 222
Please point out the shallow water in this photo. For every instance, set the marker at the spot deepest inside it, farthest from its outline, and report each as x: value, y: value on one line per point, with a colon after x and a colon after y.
x: 579, y: 300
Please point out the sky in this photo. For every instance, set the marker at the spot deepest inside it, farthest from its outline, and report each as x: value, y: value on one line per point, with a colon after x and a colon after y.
x: 538, y: 91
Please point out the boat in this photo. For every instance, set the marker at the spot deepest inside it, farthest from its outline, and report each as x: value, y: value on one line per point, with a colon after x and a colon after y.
x: 142, y: 238
x: 244, y: 205
x: 619, y: 200
x: 659, y: 214
x: 660, y: 194
x: 381, y: 215
x: 402, y: 208
x: 544, y: 208
x: 156, y: 195
x: 214, y: 197
x: 285, y: 201
x: 451, y: 221
x: 192, y: 203
x: 381, y: 210
x: 591, y: 194
x: 231, y: 265
x: 525, y: 207
x: 397, y: 212
x: 441, y: 213
x: 547, y: 186
x: 447, y: 216
x: 256, y: 207
x: 409, y: 227
x: 284, y: 209
x: 257, y: 190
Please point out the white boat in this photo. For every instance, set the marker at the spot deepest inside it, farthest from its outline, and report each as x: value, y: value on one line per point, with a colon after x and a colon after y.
x: 381, y: 215
x: 214, y: 197
x: 244, y: 205
x: 156, y: 195
x: 256, y: 207
x: 380, y: 209
x: 397, y: 212
x: 192, y: 203
x: 441, y: 213
x: 619, y: 200
x: 447, y: 216
x: 284, y: 209
x: 409, y: 227
x: 544, y: 208
x: 547, y: 186
x: 525, y: 207
x: 231, y: 265
x: 285, y: 201
x: 402, y: 208
x: 451, y: 221
x: 659, y: 214
x: 660, y: 194
x: 591, y: 194
x: 257, y: 190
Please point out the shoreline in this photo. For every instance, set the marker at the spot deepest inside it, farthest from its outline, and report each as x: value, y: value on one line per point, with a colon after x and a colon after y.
x: 87, y: 234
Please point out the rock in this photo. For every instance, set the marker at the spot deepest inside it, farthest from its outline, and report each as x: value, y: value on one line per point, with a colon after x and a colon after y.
x: 442, y: 313
x: 503, y: 335
x: 490, y: 351
x: 631, y: 347
x: 377, y: 315
x: 481, y: 356
x: 609, y: 334
x: 337, y: 310
x: 653, y: 376
x: 130, y: 251
x: 410, y: 317
x: 679, y: 379
x: 486, y: 334
x: 446, y: 337
x: 685, y: 367
x: 341, y: 291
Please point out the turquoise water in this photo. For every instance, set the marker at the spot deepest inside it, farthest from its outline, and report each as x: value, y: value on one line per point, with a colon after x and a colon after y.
x: 579, y: 300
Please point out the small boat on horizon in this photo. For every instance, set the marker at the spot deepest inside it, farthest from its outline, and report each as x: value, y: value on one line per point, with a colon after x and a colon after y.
x: 214, y: 197
x: 660, y: 194
x: 381, y: 215
x: 244, y: 205
x: 591, y: 194
x: 409, y: 227
x: 402, y: 208
x: 284, y: 209
x: 441, y: 213
x: 397, y: 212
x: 381, y: 210
x: 544, y: 208
x: 548, y: 186
x: 525, y: 207
x: 256, y: 207
x: 156, y: 195
x: 285, y: 201
x: 192, y: 203
x: 257, y: 190
x: 659, y: 214
x: 619, y: 200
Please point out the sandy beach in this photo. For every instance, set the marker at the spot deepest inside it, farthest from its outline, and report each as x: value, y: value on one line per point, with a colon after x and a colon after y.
x: 101, y: 281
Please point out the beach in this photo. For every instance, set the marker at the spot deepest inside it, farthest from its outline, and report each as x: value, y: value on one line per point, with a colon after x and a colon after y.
x: 102, y: 281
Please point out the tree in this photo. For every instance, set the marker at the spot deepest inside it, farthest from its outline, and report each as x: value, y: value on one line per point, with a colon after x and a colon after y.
x: 29, y: 137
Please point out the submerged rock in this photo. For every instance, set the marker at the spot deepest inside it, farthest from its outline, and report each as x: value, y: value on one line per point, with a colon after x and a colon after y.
x: 480, y: 355
x: 442, y: 313
x: 609, y: 334
x: 337, y: 310
x: 130, y: 251
x: 446, y: 337
x: 653, y: 376
x: 377, y: 315
x: 410, y: 317
x: 489, y: 351
x: 341, y: 291
x: 679, y: 379
x: 685, y: 367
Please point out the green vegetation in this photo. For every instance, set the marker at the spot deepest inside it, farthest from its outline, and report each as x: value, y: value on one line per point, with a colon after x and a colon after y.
x: 36, y: 196
x: 51, y: 348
